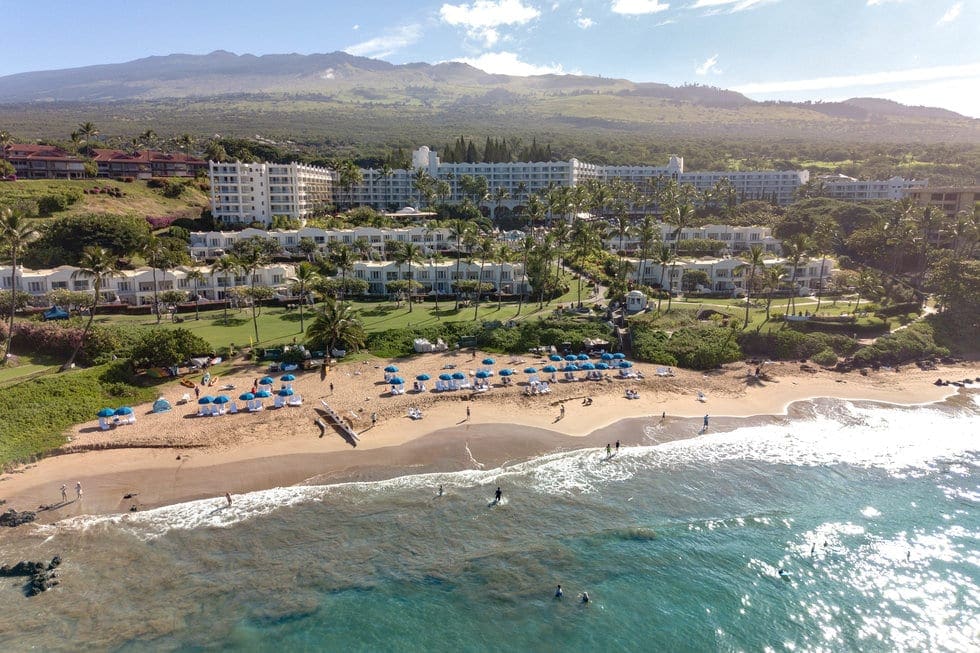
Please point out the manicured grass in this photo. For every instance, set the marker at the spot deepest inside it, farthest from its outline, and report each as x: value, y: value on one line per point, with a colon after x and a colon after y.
x: 24, y: 367
x: 37, y: 411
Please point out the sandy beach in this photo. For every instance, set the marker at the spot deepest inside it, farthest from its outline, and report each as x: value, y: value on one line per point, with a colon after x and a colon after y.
x: 177, y: 456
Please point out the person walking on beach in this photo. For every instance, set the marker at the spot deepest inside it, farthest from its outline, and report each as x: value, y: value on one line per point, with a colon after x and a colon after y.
x: 197, y: 392
x: 78, y: 490
x: 331, y: 387
x: 64, y: 493
x: 705, y: 422
x: 467, y: 413
x: 562, y: 413
x: 228, y: 497
x: 374, y: 419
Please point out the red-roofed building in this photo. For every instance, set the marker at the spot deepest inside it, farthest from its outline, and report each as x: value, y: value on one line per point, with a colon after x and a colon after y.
x: 144, y: 164
x: 43, y: 162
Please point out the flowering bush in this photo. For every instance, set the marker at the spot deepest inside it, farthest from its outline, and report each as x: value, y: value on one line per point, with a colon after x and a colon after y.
x: 160, y: 222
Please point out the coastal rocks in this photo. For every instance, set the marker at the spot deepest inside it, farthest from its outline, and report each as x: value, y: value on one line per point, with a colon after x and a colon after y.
x: 13, y: 518
x: 42, y: 577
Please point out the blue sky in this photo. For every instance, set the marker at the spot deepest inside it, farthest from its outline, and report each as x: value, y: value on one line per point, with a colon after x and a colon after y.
x: 914, y: 51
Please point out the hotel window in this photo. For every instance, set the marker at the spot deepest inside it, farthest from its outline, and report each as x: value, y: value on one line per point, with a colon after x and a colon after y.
x: 35, y: 286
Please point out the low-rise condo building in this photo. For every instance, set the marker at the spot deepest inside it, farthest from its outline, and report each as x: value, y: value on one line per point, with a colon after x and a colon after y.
x: 849, y: 189
x: 736, y: 239
x: 438, y: 277
x: 728, y: 274
x: 210, y: 244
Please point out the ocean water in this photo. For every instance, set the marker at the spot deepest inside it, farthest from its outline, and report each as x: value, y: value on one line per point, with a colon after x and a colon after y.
x: 871, y: 510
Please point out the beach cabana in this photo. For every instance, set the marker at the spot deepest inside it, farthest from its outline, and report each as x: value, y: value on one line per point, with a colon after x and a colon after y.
x: 444, y: 382
x: 248, y: 398
x: 105, y: 418
x: 125, y: 415
x: 390, y: 371
x: 397, y: 385
x: 420, y: 382
x: 287, y: 380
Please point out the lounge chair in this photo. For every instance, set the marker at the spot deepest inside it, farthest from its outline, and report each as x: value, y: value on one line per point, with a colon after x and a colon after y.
x: 702, y: 397
x: 279, y: 402
x: 295, y: 400
x: 233, y: 409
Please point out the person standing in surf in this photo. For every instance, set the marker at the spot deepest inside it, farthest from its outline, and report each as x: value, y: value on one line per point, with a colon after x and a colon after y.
x: 497, y: 495
x: 608, y: 450
x: 705, y: 422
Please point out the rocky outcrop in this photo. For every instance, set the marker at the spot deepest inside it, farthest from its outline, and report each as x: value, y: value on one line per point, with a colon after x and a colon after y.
x: 41, y: 577
x: 13, y: 518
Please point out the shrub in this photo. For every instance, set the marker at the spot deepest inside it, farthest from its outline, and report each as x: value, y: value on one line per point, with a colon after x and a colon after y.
x: 164, y: 347
x: 651, y: 345
x: 703, y: 348
x: 825, y: 358
x: 915, y: 342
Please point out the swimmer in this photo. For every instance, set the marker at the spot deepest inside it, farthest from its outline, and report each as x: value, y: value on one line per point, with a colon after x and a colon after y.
x: 813, y: 548
x: 559, y: 593
x: 585, y: 597
x: 783, y: 574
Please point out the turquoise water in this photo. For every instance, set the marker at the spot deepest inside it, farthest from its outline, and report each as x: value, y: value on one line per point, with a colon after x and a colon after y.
x: 678, y: 545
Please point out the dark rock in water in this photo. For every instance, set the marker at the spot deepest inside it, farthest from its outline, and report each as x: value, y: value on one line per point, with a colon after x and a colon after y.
x: 957, y: 384
x: 42, y: 576
x: 938, y: 382
x: 13, y: 518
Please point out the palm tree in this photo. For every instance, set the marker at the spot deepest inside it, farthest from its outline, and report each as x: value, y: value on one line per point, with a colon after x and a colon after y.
x: 252, y: 255
x: 795, y: 249
x: 154, y: 253
x: 411, y: 253
x: 499, y: 195
x: 527, y: 246
x: 824, y: 237
x: 363, y: 247
x: 87, y: 131
x: 98, y: 264
x: 15, y: 233
x: 584, y: 242
x: 561, y: 232
x: 534, y: 211
x: 148, y: 137
x: 343, y: 258
x: 663, y: 257
x: 648, y: 235
x: 420, y: 181
x: 486, y: 247
x: 754, y: 259
x: 459, y: 230
x: 306, y: 276
x: 501, y: 254
x: 336, y: 326
x: 349, y: 176
x: 227, y: 266
x: 774, y: 276
x: 197, y: 277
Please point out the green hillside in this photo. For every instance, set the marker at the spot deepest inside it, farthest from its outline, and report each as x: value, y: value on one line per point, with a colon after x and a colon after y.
x: 137, y: 198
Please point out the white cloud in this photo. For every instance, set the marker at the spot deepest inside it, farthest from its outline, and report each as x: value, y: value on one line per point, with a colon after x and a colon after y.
x: 710, y: 65
x: 356, y: 27
x: 482, y: 18
x: 959, y: 95
x: 387, y: 44
x: 669, y: 21
x: 866, y: 79
x: 951, y: 14
x: 583, y: 21
x: 638, y: 7
x: 877, y: 3
x: 736, y: 5
x: 508, y: 63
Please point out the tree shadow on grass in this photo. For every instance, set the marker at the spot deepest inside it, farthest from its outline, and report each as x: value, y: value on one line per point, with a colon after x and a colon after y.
x: 378, y: 311
x: 231, y: 321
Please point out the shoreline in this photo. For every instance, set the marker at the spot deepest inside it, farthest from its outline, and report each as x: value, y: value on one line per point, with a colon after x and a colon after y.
x: 284, y: 448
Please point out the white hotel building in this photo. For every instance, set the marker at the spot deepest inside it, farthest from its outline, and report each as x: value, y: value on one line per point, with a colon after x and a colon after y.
x: 439, y: 276
x: 521, y: 179
x: 211, y: 244
x: 135, y: 287
x: 736, y: 239
x: 842, y: 187
x: 255, y: 192
x: 728, y: 274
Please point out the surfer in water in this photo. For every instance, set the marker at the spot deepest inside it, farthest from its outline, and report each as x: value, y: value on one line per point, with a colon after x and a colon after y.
x: 559, y: 593
x: 497, y: 495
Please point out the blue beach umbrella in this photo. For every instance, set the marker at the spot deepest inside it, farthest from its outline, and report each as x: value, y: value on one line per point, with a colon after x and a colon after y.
x: 106, y: 412
x: 555, y: 357
x: 124, y: 410
x: 459, y: 376
x: 606, y: 356
x: 263, y: 394
x: 506, y: 372
x: 396, y: 380
x: 488, y: 361
x: 423, y: 377
x: 570, y: 368
x: 286, y: 392
x: 391, y: 368
x: 625, y: 364
x: 583, y: 357
x: 571, y: 358
x: 587, y: 366
x: 445, y: 377
x: 529, y: 370
x: 221, y: 399
x: 248, y: 396
x: 550, y: 369
x: 206, y: 399
x: 266, y: 380
x: 482, y: 375
x: 602, y: 366
x: 619, y: 355
x: 287, y: 377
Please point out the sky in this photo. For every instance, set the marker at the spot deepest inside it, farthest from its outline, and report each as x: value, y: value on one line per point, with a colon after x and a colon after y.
x: 919, y: 52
